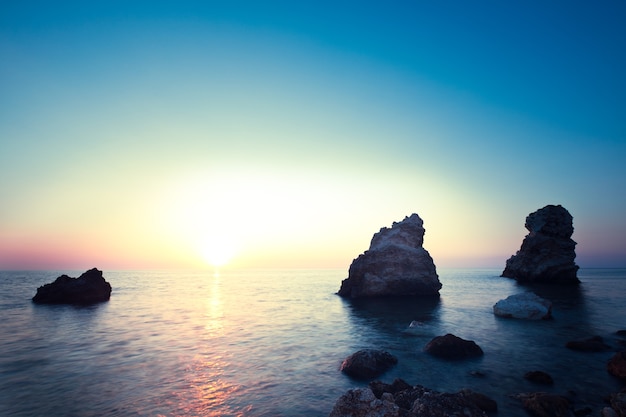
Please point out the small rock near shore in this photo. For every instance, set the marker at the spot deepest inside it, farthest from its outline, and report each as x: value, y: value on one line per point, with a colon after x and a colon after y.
x: 525, y: 305
x: 617, y: 365
x: 542, y: 404
x: 539, y: 377
x: 453, y: 347
x: 592, y: 344
x: 368, y: 363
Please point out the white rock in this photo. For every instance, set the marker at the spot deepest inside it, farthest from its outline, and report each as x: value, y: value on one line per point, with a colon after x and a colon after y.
x: 525, y: 305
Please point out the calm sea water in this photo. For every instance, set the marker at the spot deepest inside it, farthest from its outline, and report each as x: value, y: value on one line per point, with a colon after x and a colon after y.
x: 269, y: 343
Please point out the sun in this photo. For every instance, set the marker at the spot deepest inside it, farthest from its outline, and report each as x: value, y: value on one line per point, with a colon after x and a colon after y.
x: 218, y: 251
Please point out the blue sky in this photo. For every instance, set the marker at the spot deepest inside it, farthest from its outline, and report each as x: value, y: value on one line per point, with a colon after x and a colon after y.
x: 141, y: 134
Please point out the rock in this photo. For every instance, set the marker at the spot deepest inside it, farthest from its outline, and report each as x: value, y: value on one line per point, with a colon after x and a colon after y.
x: 368, y: 363
x: 617, y: 365
x: 593, y: 344
x: 547, y: 253
x: 539, y: 377
x: 402, y: 399
x: 481, y: 400
x: 453, y: 347
x: 361, y: 402
x: 89, y: 288
x: 542, y: 404
x: 525, y: 305
x: 396, y: 264
x: 618, y: 403
x: 608, y: 412
x: 621, y: 333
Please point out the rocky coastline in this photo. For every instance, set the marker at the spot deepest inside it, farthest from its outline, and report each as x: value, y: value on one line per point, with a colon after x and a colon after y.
x: 546, y: 257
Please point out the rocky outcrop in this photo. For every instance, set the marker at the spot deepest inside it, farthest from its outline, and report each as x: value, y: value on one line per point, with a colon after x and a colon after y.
x: 396, y: 264
x: 547, y: 253
x: 89, y: 288
x: 617, y: 365
x: 453, y: 347
x: 368, y: 363
x: 401, y: 399
x: 525, y: 305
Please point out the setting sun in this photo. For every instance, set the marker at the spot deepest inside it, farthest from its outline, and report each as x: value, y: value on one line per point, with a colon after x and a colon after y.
x: 218, y: 251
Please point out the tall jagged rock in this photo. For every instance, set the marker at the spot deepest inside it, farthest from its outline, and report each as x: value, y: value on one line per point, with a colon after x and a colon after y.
x: 547, y: 253
x: 395, y: 264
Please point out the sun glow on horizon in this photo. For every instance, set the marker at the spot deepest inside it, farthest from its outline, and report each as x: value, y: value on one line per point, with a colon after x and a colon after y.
x: 218, y: 251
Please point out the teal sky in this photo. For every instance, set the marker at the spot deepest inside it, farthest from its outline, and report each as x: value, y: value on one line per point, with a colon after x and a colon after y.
x: 143, y: 134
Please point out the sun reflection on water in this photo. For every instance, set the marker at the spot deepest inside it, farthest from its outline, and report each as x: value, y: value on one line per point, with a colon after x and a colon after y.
x: 214, y: 308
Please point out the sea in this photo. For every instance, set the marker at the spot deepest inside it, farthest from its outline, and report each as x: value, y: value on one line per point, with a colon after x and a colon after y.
x: 271, y: 342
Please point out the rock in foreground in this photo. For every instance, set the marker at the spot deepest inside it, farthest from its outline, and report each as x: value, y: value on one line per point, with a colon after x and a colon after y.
x: 526, y: 305
x: 401, y: 399
x: 396, y: 264
x: 547, y: 253
x: 543, y: 404
x: 368, y: 363
x: 89, y: 288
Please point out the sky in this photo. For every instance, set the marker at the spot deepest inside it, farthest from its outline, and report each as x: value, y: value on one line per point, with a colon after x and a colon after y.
x: 138, y: 135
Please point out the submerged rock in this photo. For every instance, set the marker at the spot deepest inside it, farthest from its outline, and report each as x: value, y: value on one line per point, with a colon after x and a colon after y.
x: 368, y: 363
x: 539, y: 377
x: 89, y: 288
x: 525, y: 305
x: 396, y: 264
x: 453, y: 347
x: 593, y: 344
x: 547, y: 253
x: 401, y: 399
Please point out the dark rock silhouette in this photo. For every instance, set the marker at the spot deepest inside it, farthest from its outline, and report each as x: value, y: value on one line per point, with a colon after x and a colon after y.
x: 89, y: 288
x: 539, y: 377
x: 401, y: 399
x: 543, y: 404
x: 396, y: 264
x: 368, y: 363
x: 593, y: 344
x: 617, y: 365
x: 453, y: 347
x: 547, y: 253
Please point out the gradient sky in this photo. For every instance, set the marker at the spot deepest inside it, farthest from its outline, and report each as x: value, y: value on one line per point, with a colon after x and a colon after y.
x: 158, y: 134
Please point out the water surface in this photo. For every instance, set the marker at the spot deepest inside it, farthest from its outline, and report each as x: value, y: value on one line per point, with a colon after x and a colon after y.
x: 270, y: 342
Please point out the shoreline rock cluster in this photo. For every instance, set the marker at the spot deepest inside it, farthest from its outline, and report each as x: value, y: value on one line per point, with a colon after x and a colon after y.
x: 400, y: 399
x: 396, y: 264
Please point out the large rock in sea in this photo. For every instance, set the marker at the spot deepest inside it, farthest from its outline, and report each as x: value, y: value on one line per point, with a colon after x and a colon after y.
x: 395, y: 264
x: 547, y: 253
x: 526, y: 305
x: 89, y: 288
